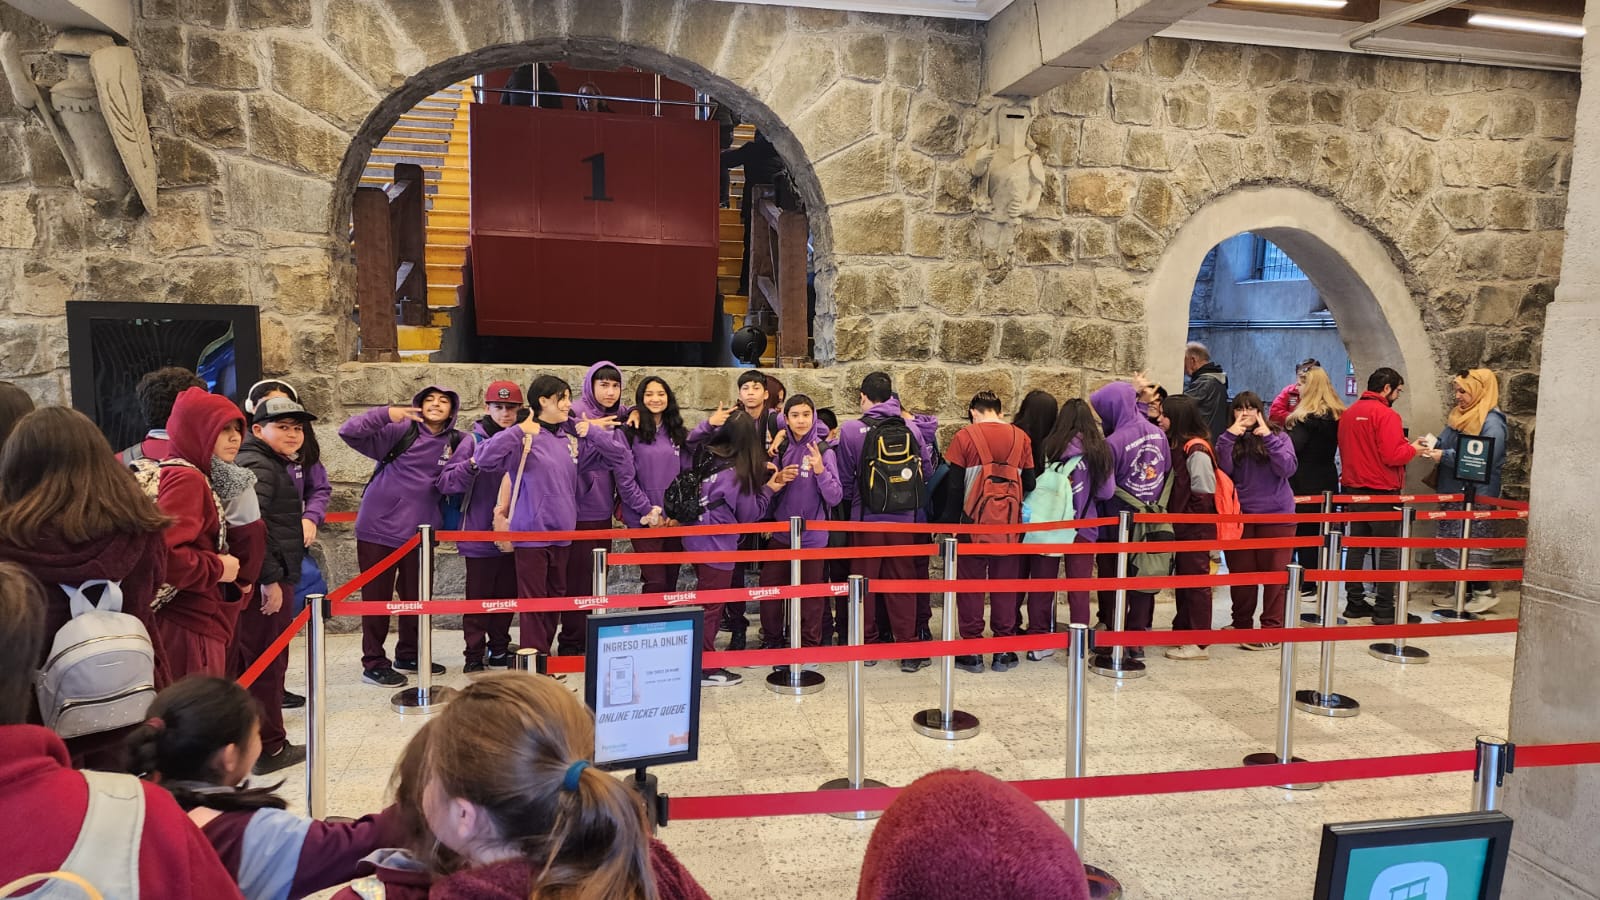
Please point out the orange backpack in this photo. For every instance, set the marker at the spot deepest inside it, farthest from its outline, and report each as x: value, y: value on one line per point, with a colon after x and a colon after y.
x: 994, y: 494
x: 1227, y: 498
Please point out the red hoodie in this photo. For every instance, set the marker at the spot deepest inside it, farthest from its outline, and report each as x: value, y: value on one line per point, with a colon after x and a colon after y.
x: 193, y: 564
x: 1373, y: 450
x: 511, y: 880
x: 37, y: 787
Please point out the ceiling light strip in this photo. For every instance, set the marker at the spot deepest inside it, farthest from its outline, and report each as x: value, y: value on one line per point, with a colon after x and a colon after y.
x: 1525, y: 25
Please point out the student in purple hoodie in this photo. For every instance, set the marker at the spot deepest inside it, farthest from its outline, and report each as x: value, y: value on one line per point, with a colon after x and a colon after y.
x: 412, y: 445
x: 658, y: 447
x: 878, y: 402
x: 1075, y: 436
x: 1140, y: 462
x: 1259, y: 457
x: 813, y: 489
x: 491, y: 572
x: 545, y: 498
x: 600, y: 398
x: 740, y: 491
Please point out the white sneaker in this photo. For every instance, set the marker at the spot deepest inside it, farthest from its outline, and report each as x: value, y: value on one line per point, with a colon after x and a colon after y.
x: 1481, y: 602
x: 1036, y: 655
x: 1187, y: 651
x: 1446, y: 601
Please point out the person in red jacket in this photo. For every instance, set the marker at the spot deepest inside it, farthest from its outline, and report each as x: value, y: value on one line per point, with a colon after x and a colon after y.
x: 70, y: 514
x: 39, y: 787
x: 197, y: 623
x: 1373, y: 452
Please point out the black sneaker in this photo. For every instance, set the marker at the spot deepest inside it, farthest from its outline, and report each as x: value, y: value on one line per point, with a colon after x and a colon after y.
x: 474, y: 666
x: 410, y: 665
x: 1354, y: 609
x: 287, y: 755
x: 719, y: 678
x: 1308, y: 590
x: 737, y: 640
x: 1003, y: 662
x: 1134, y: 652
x: 499, y: 660
x: 924, y: 633
x: 1381, y: 619
x: 384, y: 676
x: 291, y: 700
x: 914, y: 665
x: 970, y: 663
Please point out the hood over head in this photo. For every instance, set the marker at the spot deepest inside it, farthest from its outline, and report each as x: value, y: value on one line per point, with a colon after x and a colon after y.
x: 1116, y: 404
x: 587, y: 405
x: 455, y: 402
x: 198, y: 419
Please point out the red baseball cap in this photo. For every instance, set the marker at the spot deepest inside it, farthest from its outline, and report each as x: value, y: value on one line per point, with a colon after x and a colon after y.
x: 503, y: 392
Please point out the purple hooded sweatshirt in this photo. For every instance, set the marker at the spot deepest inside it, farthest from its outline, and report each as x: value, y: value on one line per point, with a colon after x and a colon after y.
x: 1087, y: 503
x: 466, y: 474
x: 315, y: 491
x: 853, y: 436
x: 642, y: 481
x: 548, y: 498
x: 809, y: 496
x: 1140, y: 454
x: 1263, y: 486
x: 406, y: 493
x: 724, y: 501
x: 597, y: 483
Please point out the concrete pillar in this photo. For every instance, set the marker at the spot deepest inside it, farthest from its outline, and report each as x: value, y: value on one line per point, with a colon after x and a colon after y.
x: 1032, y: 46
x: 1553, y: 691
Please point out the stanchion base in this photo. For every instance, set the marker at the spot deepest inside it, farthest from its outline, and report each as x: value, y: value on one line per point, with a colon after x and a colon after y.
x: 932, y: 723
x: 1271, y: 759
x: 1102, y: 885
x: 1450, y: 615
x: 1335, y: 705
x: 1404, y: 655
x: 810, y: 682
x: 1108, y: 666
x: 1316, y: 619
x: 417, y: 702
x: 843, y: 784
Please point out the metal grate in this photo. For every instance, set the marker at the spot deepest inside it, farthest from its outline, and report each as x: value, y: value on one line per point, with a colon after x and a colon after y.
x: 1272, y: 264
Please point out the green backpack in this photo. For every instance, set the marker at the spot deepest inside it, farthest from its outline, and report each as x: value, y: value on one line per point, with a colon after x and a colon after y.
x: 1051, y: 500
x: 1155, y: 563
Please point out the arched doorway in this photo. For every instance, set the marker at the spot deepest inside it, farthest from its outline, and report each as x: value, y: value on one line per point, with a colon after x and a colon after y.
x: 1364, y: 289
x: 804, y: 240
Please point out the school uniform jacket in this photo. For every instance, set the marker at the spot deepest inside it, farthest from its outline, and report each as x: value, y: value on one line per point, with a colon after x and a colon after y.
x: 405, y: 494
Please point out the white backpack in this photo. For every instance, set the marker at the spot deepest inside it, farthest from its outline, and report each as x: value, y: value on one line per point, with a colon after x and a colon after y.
x: 101, y: 671
x: 104, y: 862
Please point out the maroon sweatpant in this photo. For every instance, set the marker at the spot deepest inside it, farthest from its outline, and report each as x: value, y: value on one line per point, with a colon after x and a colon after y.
x: 190, y: 652
x: 580, y: 581
x: 1194, y: 604
x: 1273, y: 560
x: 1141, y: 604
x: 1079, y: 565
x: 252, y: 635
x: 775, y: 613
x: 656, y: 579
x: 401, y: 578
x: 541, y: 572
x: 489, y: 578
x: 903, y: 608
x: 1002, y: 604
x: 1041, y: 604
x: 710, y: 579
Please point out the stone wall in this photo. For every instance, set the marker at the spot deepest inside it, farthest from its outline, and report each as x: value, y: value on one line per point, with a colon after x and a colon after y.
x: 265, y: 110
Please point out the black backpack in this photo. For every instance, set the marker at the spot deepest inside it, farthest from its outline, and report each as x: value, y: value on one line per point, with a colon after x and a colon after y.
x: 681, y: 502
x: 890, y: 475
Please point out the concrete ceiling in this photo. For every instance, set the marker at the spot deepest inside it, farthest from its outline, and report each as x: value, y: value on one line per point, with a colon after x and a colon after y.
x: 979, y: 10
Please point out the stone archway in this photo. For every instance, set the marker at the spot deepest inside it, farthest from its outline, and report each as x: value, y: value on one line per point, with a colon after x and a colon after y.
x: 1364, y: 289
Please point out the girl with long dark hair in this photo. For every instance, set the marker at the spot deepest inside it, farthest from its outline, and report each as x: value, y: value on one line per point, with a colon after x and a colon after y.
x: 658, y: 445
x: 1259, y: 457
x: 1194, y: 490
x: 1075, y: 441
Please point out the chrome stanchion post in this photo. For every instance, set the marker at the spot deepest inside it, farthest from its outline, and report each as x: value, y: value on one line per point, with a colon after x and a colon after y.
x: 425, y: 698
x: 856, y: 709
x: 793, y: 679
x: 1324, y: 528
x: 1329, y: 557
x: 1460, y: 614
x: 947, y: 723
x: 317, y: 707
x: 1117, y: 664
x: 1286, y: 673
x: 1324, y: 701
x: 1396, y: 651
x: 1102, y: 884
x: 599, y: 582
x: 1496, y: 760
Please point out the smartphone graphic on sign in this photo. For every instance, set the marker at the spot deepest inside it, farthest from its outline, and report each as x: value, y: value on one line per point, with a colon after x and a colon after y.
x: 619, y: 681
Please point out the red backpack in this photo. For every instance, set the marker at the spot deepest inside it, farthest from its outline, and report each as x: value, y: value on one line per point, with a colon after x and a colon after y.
x: 1227, y: 498
x: 994, y: 495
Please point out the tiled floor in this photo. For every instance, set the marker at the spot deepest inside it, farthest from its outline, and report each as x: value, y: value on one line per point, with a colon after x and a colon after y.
x: 1185, y: 715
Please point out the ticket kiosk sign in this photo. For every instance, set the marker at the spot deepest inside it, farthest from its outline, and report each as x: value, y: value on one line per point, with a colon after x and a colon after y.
x: 1474, y: 455
x: 593, y: 225
x: 642, y: 679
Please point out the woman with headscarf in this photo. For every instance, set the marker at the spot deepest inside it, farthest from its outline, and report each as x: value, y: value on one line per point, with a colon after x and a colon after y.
x: 1476, y: 414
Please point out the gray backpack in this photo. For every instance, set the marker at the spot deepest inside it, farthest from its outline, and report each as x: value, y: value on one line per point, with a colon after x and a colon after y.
x: 101, y: 672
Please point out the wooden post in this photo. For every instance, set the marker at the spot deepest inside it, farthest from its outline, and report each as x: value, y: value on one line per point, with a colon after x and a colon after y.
x: 375, y: 271
x: 794, y: 319
x: 407, y: 202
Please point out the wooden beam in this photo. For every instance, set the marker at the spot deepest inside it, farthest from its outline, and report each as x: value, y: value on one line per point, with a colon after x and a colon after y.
x: 374, y: 249
x: 409, y: 220
x: 794, y: 320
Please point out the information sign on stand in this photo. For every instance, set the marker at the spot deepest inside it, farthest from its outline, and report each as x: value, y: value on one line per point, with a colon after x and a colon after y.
x: 642, y: 679
x: 1474, y: 455
x: 1429, y: 858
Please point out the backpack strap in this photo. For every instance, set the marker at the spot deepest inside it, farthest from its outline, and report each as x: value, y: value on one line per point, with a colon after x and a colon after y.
x: 107, y: 851
x: 79, y: 602
x: 132, y: 454
x: 413, y: 431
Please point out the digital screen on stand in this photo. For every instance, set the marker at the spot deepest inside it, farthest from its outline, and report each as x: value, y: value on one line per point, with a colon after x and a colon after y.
x: 1456, y: 857
x: 642, y: 679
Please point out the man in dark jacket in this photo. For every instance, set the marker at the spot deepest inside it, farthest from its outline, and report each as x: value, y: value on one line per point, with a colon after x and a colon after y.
x: 761, y: 164
x: 1205, y: 381
x: 276, y: 435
